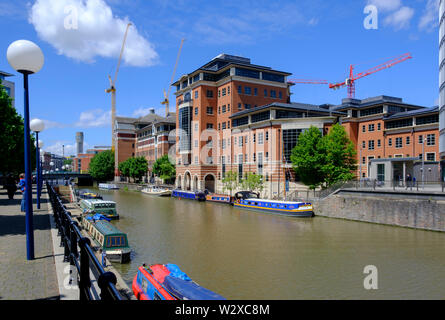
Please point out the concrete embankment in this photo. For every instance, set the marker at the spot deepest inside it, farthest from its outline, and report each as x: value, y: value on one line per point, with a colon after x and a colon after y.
x: 419, y: 211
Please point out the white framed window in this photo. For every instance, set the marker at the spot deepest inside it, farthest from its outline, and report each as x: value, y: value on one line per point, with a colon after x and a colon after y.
x: 431, y: 156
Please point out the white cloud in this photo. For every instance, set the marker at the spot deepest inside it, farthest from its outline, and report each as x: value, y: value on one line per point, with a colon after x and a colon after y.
x: 400, y: 19
x: 93, y: 31
x: 64, y: 147
x: 140, y: 112
x: 429, y: 20
x: 94, y: 118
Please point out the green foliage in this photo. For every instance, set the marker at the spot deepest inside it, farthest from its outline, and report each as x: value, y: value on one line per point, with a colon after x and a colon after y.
x: 164, y: 169
x: 135, y: 168
x: 253, y: 182
x: 68, y: 162
x: 340, y: 157
x: 230, y: 181
x: 308, y: 157
x: 102, y: 166
x: 12, y: 148
x: 323, y: 161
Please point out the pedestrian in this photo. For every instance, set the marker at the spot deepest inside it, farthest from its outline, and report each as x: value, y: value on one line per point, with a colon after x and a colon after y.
x: 11, y: 187
x: 104, y: 256
x: 22, y: 186
x: 408, y: 181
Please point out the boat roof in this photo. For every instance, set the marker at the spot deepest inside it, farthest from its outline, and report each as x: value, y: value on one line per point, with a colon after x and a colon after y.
x: 99, y: 201
x: 273, y: 201
x: 106, y: 228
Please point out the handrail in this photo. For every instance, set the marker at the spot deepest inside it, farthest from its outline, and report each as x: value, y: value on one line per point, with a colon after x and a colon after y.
x: 73, y: 242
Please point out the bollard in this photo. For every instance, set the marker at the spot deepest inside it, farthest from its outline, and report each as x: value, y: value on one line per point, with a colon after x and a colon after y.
x: 104, y: 280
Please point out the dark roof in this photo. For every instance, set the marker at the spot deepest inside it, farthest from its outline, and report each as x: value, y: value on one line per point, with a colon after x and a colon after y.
x: 6, y: 74
x: 413, y: 113
x: 359, y: 104
x: 224, y: 60
x: 291, y: 106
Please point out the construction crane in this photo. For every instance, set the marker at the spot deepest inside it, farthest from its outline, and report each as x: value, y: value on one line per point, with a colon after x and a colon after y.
x: 167, y: 94
x: 112, y: 89
x: 350, y: 81
x: 307, y: 81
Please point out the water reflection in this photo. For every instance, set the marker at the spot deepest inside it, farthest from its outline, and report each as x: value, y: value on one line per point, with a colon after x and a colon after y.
x: 248, y: 255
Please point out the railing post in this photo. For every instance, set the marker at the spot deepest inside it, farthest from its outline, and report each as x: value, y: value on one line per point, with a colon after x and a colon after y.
x: 85, y: 281
x: 104, y: 280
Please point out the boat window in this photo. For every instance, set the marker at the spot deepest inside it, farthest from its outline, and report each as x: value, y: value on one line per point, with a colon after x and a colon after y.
x: 144, y: 285
x: 156, y: 296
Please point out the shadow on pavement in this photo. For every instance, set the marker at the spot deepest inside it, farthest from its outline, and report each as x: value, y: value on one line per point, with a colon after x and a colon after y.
x: 13, y: 225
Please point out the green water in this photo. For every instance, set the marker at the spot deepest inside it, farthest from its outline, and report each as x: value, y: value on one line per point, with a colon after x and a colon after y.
x: 242, y: 254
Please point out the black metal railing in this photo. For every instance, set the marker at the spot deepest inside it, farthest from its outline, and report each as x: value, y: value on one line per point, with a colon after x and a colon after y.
x: 78, y: 252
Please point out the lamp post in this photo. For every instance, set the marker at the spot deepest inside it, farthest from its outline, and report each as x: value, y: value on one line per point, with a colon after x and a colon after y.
x: 423, y: 163
x: 26, y: 58
x: 37, y: 126
x: 51, y: 170
x: 40, y: 182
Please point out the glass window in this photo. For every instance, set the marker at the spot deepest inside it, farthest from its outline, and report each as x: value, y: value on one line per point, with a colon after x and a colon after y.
x: 196, y: 94
x: 210, y: 110
x: 431, y: 157
x: 371, y: 145
x: 390, y: 142
x: 260, y: 138
x: 273, y: 94
x: 371, y: 127
x: 431, y: 140
x: 248, y: 90
x: 209, y: 93
x: 399, y: 142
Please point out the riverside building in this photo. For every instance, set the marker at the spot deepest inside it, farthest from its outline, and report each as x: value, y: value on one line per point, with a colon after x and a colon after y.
x: 234, y: 115
x: 146, y: 136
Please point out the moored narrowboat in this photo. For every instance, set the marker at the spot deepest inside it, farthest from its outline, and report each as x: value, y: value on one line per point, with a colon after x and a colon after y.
x: 294, y: 209
x: 220, y: 198
x: 157, y: 191
x: 105, y: 207
x: 168, y: 282
x: 110, y: 239
x: 191, y: 195
x: 88, y: 195
x: 108, y: 186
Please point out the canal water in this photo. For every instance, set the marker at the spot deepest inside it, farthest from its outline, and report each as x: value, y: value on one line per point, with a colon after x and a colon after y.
x: 243, y: 254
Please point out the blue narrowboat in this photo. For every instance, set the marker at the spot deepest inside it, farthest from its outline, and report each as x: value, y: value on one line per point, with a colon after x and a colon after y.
x: 191, y: 195
x: 168, y: 282
x: 221, y: 198
x: 294, y: 209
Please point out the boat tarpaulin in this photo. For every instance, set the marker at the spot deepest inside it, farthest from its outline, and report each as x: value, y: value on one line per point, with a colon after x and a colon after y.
x: 96, y: 217
x: 188, y: 290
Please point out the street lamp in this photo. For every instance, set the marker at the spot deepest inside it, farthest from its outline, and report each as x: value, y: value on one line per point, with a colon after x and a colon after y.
x: 37, y: 126
x: 41, y: 144
x: 26, y: 58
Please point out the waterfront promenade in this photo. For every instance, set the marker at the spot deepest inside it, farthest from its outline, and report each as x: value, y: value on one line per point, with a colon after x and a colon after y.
x: 21, y: 279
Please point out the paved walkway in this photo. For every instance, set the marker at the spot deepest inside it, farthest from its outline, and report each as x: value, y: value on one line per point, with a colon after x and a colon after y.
x: 21, y: 279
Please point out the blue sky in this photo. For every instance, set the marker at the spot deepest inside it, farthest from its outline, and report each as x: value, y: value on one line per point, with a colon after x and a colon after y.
x: 315, y: 39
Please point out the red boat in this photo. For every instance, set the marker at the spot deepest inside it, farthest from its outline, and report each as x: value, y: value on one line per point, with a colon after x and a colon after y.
x: 168, y: 282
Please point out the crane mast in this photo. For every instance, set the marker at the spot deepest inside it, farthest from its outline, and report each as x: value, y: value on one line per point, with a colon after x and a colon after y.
x: 166, y: 101
x: 112, y: 90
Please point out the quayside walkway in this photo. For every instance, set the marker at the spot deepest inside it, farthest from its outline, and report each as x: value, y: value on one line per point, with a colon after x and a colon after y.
x: 21, y: 279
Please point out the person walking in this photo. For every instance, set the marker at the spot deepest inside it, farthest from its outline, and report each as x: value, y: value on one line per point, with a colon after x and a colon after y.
x: 408, y: 181
x: 104, y: 256
x: 22, y: 184
x: 11, y: 187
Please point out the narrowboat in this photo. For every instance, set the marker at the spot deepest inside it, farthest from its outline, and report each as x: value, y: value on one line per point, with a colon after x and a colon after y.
x: 168, y: 282
x: 89, y: 195
x: 294, y: 209
x: 220, y: 198
x: 246, y: 195
x: 191, y: 195
x: 108, y: 186
x: 110, y: 239
x: 105, y: 207
x: 157, y: 191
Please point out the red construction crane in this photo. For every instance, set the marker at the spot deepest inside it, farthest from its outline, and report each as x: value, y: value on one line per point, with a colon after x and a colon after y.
x: 350, y: 82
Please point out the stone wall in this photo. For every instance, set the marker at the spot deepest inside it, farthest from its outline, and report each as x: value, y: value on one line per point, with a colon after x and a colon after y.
x: 395, y: 210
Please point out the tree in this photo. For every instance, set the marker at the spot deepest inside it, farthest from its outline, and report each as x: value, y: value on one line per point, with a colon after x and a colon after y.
x: 308, y: 158
x: 138, y: 167
x: 102, y: 166
x: 124, y: 168
x: 323, y: 161
x: 164, y: 169
x: 340, y: 156
x: 12, y: 149
x: 230, y: 181
x: 253, y: 182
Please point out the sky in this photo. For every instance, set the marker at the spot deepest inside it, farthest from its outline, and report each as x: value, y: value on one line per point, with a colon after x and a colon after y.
x: 312, y: 39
